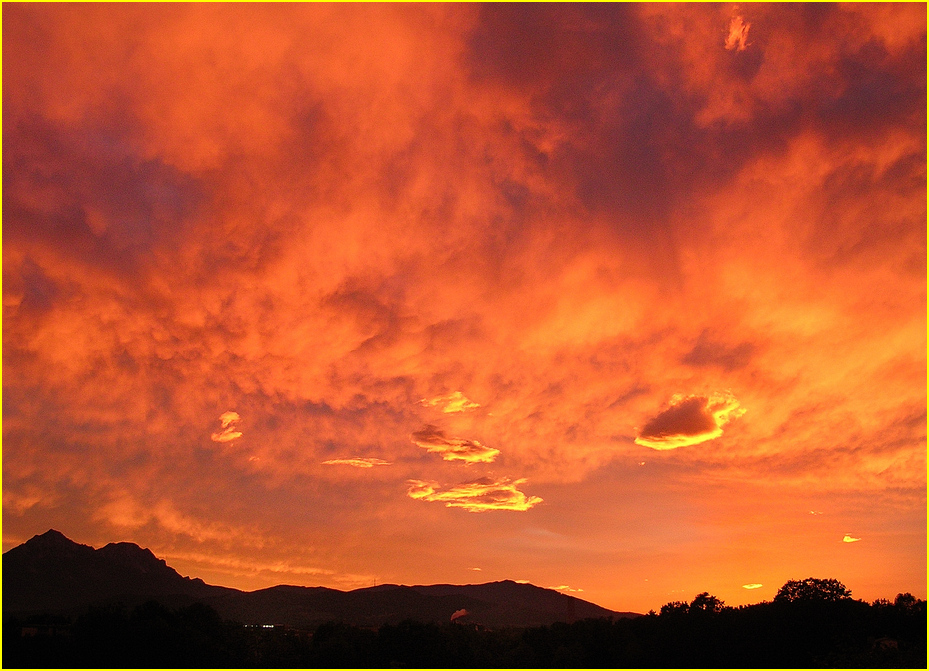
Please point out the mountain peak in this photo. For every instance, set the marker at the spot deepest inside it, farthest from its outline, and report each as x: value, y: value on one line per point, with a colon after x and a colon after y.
x: 51, y: 543
x: 51, y: 572
x: 51, y: 537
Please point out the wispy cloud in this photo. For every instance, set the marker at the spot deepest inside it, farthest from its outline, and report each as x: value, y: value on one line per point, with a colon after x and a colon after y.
x: 128, y: 511
x: 454, y: 402
x: 689, y: 420
x: 17, y: 502
x: 433, y: 439
x: 358, y: 462
x: 566, y: 588
x: 752, y: 585
x: 239, y: 566
x: 228, y: 430
x: 476, y: 497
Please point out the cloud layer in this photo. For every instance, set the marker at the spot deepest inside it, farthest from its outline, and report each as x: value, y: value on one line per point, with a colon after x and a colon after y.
x: 530, y: 225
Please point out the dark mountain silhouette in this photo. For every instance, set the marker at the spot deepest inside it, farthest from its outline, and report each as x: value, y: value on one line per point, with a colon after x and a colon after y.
x: 50, y: 573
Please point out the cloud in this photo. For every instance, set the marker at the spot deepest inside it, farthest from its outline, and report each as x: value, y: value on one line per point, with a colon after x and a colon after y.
x: 738, y: 34
x: 124, y: 509
x: 709, y: 352
x: 570, y: 210
x: 850, y: 539
x: 17, y: 502
x: 433, y: 439
x: 477, y: 496
x: 752, y: 585
x: 229, y: 432
x: 459, y: 613
x: 454, y: 402
x: 689, y: 420
x: 566, y: 588
x: 358, y: 462
x: 238, y: 566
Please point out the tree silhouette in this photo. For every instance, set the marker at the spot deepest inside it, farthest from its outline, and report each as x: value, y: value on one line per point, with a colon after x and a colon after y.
x: 675, y: 608
x: 706, y: 603
x: 812, y: 589
x: 905, y: 601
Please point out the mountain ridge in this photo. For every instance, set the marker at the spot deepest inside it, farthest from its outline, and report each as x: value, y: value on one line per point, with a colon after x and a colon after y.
x: 51, y: 573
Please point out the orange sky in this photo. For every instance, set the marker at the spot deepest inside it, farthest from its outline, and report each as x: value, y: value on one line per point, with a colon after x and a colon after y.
x: 628, y: 299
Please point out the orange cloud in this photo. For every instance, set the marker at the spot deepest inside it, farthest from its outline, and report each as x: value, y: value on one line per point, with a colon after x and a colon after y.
x: 690, y: 420
x: 433, y: 439
x: 570, y: 211
x: 476, y: 497
x: 358, y: 462
x: 229, y: 432
x: 454, y: 402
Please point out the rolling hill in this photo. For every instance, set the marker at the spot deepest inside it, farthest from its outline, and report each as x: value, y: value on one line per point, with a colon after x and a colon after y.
x: 51, y: 573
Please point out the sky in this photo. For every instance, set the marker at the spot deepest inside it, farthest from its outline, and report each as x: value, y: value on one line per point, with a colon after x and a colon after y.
x: 623, y: 300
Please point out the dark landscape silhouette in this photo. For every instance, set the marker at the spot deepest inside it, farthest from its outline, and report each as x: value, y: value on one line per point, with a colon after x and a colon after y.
x: 69, y: 605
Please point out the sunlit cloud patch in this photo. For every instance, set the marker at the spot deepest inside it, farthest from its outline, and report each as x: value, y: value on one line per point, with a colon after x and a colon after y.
x: 752, y: 585
x: 566, y: 588
x: 433, y: 439
x: 454, y: 402
x: 476, y: 497
x: 737, y: 40
x: 357, y: 462
x: 228, y: 429
x: 850, y: 539
x: 689, y: 420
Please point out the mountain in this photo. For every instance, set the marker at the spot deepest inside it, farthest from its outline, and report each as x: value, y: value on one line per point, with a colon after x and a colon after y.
x: 50, y: 573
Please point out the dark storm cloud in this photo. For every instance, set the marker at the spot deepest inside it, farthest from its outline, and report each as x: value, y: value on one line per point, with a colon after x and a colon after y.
x: 633, y: 141
x: 874, y: 90
x: 86, y: 192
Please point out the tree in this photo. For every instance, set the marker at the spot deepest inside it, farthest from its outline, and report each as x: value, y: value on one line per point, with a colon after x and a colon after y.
x: 812, y: 589
x: 707, y: 603
x: 675, y: 607
x: 905, y: 601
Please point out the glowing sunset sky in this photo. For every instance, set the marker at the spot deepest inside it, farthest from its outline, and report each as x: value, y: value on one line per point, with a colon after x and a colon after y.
x: 628, y: 299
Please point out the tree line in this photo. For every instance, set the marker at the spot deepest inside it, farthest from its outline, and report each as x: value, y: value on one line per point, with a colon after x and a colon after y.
x: 810, y: 623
